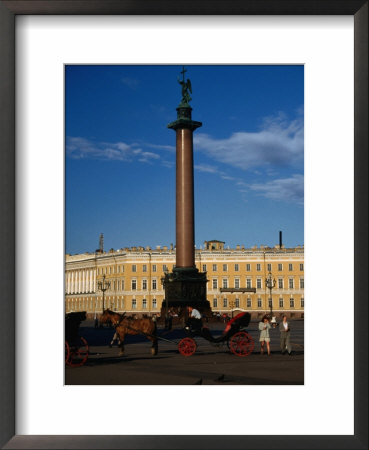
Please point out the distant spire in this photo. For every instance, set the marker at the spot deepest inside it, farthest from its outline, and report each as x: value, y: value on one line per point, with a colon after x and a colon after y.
x: 101, y: 243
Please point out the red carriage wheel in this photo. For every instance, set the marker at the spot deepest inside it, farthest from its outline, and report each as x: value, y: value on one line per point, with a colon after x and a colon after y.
x: 67, y: 352
x: 241, y: 344
x: 187, y: 346
x: 78, y: 352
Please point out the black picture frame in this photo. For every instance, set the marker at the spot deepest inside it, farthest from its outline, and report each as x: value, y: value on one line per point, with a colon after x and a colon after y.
x: 8, y: 12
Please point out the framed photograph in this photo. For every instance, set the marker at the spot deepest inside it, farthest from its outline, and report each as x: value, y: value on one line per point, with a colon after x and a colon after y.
x: 38, y: 40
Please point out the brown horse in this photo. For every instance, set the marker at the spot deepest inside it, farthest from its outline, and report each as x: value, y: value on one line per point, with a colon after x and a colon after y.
x: 124, y: 325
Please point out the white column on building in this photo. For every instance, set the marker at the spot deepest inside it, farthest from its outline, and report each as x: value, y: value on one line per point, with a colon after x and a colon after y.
x: 69, y: 282
x: 88, y: 280
x: 91, y: 281
x: 83, y: 281
x: 72, y: 282
x: 94, y: 288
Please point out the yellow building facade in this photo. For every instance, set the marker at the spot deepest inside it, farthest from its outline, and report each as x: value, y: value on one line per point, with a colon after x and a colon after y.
x: 236, y: 279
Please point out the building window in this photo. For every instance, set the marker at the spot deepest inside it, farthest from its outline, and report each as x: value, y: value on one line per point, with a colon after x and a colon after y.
x: 154, y: 303
x: 225, y: 283
x: 214, y: 268
x: 134, y: 304
x: 154, y: 267
x: 165, y: 268
x: 281, y: 302
x: 204, y: 267
x: 290, y: 267
x: 144, y: 268
x: 301, y: 267
x: 122, y: 268
x: 144, y: 303
x: 249, y: 302
x: 144, y: 285
x: 114, y: 285
x: 154, y: 285
x: 248, y: 283
x: 134, y: 268
x: 302, y: 302
x: 280, y: 267
x: 270, y: 302
x: 290, y: 283
x: 301, y: 283
x: 118, y: 269
x: 292, y: 303
x: 258, y: 283
x: 109, y: 270
x: 248, y: 267
x: 122, y: 281
x: 259, y: 302
x: 237, y: 283
x: 236, y: 268
x: 225, y: 267
x: 280, y: 283
x: 215, y: 283
x: 269, y: 267
x: 134, y: 285
x: 215, y: 303
x: 237, y: 303
x: 225, y: 303
x: 258, y: 267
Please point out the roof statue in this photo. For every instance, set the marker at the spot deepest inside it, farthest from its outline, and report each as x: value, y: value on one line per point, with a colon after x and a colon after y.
x: 186, y: 88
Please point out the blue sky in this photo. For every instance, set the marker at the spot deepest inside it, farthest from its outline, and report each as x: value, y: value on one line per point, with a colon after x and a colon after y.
x: 120, y: 155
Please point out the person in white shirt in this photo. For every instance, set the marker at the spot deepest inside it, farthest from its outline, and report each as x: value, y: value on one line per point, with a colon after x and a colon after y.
x: 194, y: 316
x: 284, y: 329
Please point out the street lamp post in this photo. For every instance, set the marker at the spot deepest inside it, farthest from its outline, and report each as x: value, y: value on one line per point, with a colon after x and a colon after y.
x: 270, y: 284
x: 103, y: 286
x: 164, y: 279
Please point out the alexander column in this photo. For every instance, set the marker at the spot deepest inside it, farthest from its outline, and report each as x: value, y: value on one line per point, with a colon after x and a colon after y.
x: 185, y: 285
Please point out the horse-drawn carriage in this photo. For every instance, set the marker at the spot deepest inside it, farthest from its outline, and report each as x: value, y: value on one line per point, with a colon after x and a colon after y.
x: 76, y: 347
x: 239, y: 342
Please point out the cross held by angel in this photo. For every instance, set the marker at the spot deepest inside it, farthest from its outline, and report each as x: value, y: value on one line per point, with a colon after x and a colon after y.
x: 186, y: 87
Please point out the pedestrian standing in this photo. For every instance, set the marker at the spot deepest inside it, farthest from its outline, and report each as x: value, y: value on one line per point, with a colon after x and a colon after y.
x: 264, y: 327
x: 284, y: 329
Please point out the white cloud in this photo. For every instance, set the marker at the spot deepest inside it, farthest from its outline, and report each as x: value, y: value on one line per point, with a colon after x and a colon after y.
x: 283, y: 189
x: 207, y: 168
x: 169, y: 148
x: 278, y: 143
x: 79, y: 148
x: 168, y: 164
